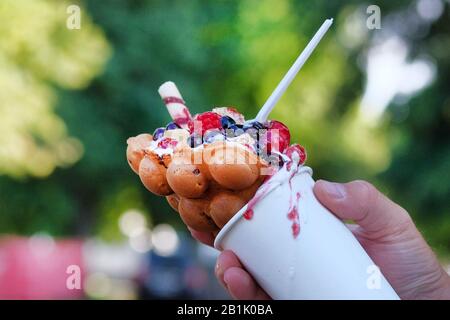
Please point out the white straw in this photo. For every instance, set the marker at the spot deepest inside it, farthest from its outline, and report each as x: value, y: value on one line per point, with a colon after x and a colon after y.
x: 290, y: 75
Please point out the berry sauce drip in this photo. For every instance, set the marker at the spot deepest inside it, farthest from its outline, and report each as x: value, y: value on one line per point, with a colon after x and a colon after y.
x: 251, y: 204
x: 292, y: 214
x: 248, y: 214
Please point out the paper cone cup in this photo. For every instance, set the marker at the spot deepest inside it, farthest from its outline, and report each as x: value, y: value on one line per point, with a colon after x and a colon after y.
x: 324, y: 261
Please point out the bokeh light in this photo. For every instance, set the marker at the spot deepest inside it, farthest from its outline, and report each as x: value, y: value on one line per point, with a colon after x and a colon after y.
x: 141, y: 241
x: 430, y: 10
x: 132, y: 223
x: 165, y: 240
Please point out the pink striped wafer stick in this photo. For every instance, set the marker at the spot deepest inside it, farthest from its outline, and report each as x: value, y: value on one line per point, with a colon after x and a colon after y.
x: 175, y: 104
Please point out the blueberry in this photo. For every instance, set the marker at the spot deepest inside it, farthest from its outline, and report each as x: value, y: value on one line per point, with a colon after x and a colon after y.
x: 254, y: 124
x: 210, y: 135
x: 227, y: 122
x: 172, y: 126
x: 236, y: 127
x: 158, y: 133
x: 234, y: 130
x: 195, y: 140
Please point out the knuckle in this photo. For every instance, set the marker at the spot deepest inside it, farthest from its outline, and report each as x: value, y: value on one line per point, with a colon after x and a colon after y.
x: 369, y: 196
x: 404, y: 219
x: 371, y: 201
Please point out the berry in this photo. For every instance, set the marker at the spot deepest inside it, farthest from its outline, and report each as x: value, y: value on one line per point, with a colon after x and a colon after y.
x: 212, y: 135
x: 237, y: 127
x: 234, y: 130
x: 254, y: 124
x: 167, y: 143
x: 158, y: 133
x: 226, y: 122
x: 172, y: 126
x: 283, y: 137
x: 195, y: 140
x: 207, y: 120
x: 300, y: 150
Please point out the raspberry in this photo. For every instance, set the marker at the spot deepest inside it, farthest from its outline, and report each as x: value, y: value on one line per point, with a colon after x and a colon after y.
x: 299, y: 149
x: 207, y: 120
x: 283, y: 136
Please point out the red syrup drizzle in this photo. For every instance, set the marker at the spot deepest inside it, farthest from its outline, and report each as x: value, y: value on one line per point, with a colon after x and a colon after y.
x: 293, y: 208
x: 248, y: 214
x: 251, y: 204
x: 294, y: 216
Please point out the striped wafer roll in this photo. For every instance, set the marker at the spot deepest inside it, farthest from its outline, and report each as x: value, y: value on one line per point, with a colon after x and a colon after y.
x: 175, y: 104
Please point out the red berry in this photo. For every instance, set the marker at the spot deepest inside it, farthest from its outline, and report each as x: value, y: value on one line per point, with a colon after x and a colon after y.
x: 299, y: 149
x: 207, y: 121
x: 277, y: 132
x: 167, y: 142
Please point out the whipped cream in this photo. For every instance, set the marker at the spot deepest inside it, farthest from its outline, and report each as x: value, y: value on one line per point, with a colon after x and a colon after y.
x: 155, y: 148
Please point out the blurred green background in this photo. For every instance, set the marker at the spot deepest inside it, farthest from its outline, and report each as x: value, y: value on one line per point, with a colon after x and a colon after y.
x: 369, y: 104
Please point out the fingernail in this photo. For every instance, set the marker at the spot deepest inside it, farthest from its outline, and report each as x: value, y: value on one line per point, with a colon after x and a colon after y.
x: 225, y: 281
x: 334, y: 190
x: 219, y: 274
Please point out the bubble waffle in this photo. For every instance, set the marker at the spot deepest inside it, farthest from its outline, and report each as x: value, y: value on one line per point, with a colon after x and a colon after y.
x: 207, y: 175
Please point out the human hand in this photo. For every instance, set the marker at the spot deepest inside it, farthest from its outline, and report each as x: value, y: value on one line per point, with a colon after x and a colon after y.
x: 383, y: 228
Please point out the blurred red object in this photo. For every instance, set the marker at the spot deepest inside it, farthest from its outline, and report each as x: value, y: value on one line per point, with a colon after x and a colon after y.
x: 40, y: 268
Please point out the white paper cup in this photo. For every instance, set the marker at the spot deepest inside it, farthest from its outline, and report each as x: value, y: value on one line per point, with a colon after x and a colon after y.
x: 325, y: 261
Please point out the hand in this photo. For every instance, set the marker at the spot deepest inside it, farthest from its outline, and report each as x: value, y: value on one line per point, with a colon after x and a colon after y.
x: 231, y: 274
x: 383, y: 228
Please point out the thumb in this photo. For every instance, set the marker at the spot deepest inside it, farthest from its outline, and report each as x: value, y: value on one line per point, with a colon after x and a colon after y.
x: 363, y: 203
